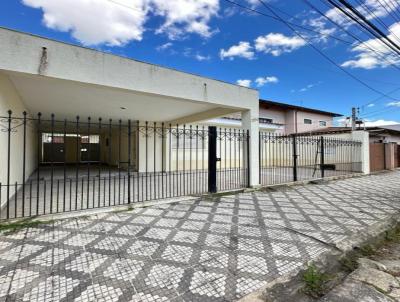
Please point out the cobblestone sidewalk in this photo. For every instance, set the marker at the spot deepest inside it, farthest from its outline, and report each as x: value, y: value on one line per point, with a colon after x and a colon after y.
x: 194, y: 250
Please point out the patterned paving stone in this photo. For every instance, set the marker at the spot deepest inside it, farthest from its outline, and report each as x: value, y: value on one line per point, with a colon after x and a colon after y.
x: 141, y: 297
x: 143, y: 248
x: 129, y: 230
x: 158, y: 233
x: 51, y: 257
x: 99, y: 293
x: 13, y: 281
x: 206, y: 284
x: 186, y: 236
x: 110, y: 243
x: 252, y: 264
x: 164, y: 276
x: 124, y: 269
x: 52, y: 289
x: 81, y: 239
x: 193, y: 250
x: 177, y: 253
x: 20, y: 252
x: 212, y: 258
x: 86, y: 262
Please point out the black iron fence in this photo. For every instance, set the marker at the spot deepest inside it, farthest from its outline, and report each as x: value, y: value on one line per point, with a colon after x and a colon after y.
x: 288, y: 158
x: 50, y: 166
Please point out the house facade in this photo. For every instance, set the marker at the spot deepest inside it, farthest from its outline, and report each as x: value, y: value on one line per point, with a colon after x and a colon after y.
x: 284, y: 118
x: 83, y: 129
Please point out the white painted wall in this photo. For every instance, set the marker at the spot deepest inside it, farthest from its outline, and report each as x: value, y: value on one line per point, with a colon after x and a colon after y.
x: 10, y: 100
x: 22, y: 53
x: 78, y: 72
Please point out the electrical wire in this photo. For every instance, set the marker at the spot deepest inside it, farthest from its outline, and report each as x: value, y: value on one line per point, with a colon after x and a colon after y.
x: 378, y: 19
x: 349, y: 33
x: 367, y: 24
x: 252, y: 10
x: 322, y: 53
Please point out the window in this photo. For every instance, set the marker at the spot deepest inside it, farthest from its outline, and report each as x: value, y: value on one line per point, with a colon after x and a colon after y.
x: 322, y: 123
x: 307, y: 121
x: 265, y: 120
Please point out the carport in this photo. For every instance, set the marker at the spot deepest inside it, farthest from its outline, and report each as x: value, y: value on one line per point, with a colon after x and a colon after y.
x: 125, y: 108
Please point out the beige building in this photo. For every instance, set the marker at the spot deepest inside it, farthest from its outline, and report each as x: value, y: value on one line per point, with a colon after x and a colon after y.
x: 284, y: 118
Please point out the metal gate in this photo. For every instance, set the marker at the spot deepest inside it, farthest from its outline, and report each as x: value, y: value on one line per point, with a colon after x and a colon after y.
x: 288, y: 158
x: 48, y: 165
x: 228, y: 151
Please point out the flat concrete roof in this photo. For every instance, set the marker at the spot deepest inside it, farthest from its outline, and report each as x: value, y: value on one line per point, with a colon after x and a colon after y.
x: 56, y: 77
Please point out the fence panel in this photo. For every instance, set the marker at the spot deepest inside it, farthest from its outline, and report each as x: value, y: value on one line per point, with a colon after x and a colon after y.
x: 288, y: 158
x: 50, y: 166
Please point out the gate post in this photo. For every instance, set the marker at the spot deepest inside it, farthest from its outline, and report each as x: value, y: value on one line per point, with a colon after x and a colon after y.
x: 294, y: 143
x: 212, y: 159
x: 248, y: 158
x: 129, y: 160
x: 322, y: 163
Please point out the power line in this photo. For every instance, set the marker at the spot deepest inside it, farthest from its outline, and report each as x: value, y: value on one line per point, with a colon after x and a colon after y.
x: 348, y: 32
x: 379, y: 98
x: 249, y: 9
x: 322, y: 53
x: 363, y: 26
x: 375, y: 30
x: 377, y: 18
x: 389, y: 11
x: 393, y: 7
x: 380, y: 112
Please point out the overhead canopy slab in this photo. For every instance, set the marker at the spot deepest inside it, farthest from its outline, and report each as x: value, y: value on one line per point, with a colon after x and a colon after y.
x: 67, y: 80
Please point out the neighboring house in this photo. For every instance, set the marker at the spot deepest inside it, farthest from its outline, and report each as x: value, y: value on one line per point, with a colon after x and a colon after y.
x: 284, y: 118
x: 384, y: 144
x: 381, y: 134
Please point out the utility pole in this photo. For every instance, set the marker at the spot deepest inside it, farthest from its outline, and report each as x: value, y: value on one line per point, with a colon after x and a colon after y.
x: 353, y: 118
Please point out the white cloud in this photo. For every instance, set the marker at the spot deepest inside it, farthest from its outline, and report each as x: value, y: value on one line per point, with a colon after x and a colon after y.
x: 277, y: 43
x: 253, y: 3
x: 378, y: 123
x: 370, y: 105
x: 369, y: 53
x: 261, y: 81
x: 117, y: 22
x: 242, y: 50
x: 394, y: 104
x: 186, y: 16
x: 309, y: 86
x: 371, y: 9
x: 320, y: 25
x: 164, y: 46
x: 245, y: 82
x: 200, y: 57
x: 95, y: 22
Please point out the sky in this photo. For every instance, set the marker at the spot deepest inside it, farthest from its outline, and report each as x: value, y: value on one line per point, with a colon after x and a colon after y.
x: 217, y: 39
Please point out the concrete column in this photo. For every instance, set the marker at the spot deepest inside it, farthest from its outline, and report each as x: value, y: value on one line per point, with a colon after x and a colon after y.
x: 250, y: 122
x: 363, y: 137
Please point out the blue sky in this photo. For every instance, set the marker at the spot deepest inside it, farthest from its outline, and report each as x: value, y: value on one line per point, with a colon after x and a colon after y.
x: 213, y: 38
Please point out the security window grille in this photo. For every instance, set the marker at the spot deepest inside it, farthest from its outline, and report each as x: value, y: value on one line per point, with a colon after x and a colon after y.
x: 265, y: 120
x: 307, y: 121
x: 322, y: 123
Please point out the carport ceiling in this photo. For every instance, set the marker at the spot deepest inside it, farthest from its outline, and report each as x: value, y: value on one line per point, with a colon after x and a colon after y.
x: 67, y: 99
